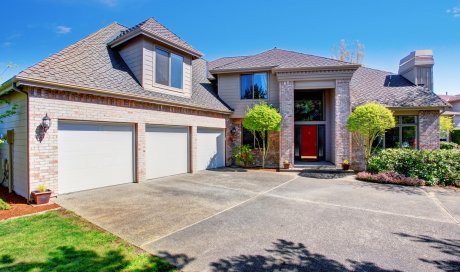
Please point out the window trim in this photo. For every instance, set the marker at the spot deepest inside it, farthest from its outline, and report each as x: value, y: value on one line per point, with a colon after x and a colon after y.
x: 170, y: 67
x: 400, y: 125
x: 252, y: 83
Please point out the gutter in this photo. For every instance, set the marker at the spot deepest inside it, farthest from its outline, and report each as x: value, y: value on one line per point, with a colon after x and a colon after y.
x: 96, y: 91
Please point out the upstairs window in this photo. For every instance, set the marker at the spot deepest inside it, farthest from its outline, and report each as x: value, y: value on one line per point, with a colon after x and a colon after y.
x: 254, y: 86
x: 169, y: 69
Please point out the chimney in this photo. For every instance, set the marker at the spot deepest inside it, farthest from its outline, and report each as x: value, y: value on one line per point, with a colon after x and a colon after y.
x: 417, y: 67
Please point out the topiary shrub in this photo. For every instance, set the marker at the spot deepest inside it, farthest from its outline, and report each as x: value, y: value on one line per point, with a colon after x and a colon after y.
x: 434, y: 166
x: 390, y: 177
x: 445, y: 145
x: 455, y: 134
x: 4, y: 205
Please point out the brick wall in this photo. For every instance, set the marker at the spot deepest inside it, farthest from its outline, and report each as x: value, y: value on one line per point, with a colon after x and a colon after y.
x: 286, y: 145
x: 342, y: 112
x: 429, y: 129
x: 59, y: 105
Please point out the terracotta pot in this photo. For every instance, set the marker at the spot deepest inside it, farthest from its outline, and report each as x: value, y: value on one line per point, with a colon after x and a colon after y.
x: 345, y: 166
x: 287, y: 165
x: 41, y: 197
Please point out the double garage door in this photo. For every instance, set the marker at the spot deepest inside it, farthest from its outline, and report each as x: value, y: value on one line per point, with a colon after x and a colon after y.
x: 93, y: 155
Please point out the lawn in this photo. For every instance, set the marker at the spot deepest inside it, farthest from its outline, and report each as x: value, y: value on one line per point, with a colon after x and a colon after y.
x: 61, y: 241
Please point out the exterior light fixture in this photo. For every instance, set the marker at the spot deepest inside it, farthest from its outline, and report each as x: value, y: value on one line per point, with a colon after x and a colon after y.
x: 233, y: 131
x: 46, y: 123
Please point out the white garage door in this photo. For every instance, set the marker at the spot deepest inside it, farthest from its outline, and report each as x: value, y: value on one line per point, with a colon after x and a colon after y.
x: 166, y: 151
x: 210, y: 148
x: 92, y: 155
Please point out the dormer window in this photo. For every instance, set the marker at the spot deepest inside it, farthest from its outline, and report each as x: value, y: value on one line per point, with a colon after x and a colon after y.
x: 169, y: 68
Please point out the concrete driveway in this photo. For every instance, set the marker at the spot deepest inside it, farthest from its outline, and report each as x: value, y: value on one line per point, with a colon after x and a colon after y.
x: 258, y: 221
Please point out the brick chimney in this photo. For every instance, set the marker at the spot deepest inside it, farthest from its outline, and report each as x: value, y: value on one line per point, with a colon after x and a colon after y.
x: 417, y: 67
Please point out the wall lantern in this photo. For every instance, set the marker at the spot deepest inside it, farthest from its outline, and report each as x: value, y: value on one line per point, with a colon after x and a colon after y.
x: 233, y: 131
x: 46, y: 123
x: 43, y: 128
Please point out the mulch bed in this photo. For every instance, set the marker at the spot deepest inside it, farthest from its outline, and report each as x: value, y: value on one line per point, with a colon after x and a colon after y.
x: 19, y: 205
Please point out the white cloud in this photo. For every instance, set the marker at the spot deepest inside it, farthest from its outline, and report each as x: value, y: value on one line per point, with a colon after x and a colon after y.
x: 63, y: 29
x: 7, y: 44
x: 109, y: 3
x: 455, y: 11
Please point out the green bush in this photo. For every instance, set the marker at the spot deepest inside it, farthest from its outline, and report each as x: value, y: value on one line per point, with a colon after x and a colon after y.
x: 4, y: 205
x: 445, y: 145
x: 243, y: 155
x: 434, y: 166
x: 456, y: 136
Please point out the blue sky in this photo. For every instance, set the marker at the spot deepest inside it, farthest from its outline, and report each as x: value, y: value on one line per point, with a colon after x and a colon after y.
x: 32, y: 30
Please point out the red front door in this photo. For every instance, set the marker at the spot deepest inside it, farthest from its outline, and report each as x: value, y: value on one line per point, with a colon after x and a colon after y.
x: 309, y: 143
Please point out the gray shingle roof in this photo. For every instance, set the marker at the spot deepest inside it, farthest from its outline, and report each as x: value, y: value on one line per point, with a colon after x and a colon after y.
x: 390, y: 89
x: 153, y: 27
x: 224, y: 61
x: 89, y: 63
x: 275, y: 58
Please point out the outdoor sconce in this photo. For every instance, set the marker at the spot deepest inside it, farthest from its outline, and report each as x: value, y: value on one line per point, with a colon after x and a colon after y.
x: 43, y: 128
x: 233, y: 131
x: 46, y: 123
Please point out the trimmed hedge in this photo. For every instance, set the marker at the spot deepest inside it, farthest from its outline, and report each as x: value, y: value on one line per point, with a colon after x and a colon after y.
x: 390, y: 177
x: 434, y: 166
x: 455, y: 134
x: 445, y: 145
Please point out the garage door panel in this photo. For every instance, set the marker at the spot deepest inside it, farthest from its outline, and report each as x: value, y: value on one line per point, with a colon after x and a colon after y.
x: 210, y: 148
x: 167, y: 151
x: 94, y: 155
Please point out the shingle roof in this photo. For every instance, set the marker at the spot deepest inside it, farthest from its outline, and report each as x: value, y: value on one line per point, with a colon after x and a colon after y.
x: 153, y: 27
x: 450, y: 98
x: 224, y: 61
x: 89, y: 63
x: 390, y: 89
x: 275, y: 58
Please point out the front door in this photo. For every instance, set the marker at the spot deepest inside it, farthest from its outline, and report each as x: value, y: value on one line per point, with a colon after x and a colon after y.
x: 309, y: 143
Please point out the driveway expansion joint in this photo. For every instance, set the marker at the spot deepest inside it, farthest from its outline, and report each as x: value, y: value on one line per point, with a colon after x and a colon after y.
x: 220, y: 212
x: 441, y: 206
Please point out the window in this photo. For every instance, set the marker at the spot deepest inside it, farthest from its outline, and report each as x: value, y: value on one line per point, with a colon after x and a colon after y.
x: 249, y: 139
x: 404, y: 134
x: 308, y: 106
x: 168, y: 69
x: 254, y: 86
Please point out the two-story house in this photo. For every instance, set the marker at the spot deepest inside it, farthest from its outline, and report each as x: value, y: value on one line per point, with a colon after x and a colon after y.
x: 454, y: 100
x: 132, y: 104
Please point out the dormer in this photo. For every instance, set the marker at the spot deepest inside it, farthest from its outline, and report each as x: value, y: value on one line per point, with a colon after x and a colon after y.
x: 159, y: 59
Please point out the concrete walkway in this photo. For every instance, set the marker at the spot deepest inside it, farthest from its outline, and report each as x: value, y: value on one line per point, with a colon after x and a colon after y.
x: 259, y: 221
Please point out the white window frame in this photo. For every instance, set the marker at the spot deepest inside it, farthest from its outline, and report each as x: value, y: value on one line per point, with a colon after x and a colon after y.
x: 252, y: 74
x: 170, y: 68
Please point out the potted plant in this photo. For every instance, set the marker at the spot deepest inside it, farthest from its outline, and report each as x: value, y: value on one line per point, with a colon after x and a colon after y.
x: 42, y: 195
x: 345, y: 165
x: 286, y: 164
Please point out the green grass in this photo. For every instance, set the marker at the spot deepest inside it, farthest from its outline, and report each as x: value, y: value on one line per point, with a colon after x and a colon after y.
x: 4, y: 205
x: 61, y: 241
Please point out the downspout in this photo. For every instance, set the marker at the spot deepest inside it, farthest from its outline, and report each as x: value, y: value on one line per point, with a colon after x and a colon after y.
x: 16, y: 89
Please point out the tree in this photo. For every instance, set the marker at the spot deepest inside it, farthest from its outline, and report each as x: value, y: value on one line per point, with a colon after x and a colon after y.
x: 12, y: 110
x: 446, y: 125
x: 262, y: 119
x: 343, y: 53
x: 367, y: 122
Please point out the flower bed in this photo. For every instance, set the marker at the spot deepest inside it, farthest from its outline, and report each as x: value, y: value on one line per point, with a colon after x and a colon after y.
x: 390, y: 178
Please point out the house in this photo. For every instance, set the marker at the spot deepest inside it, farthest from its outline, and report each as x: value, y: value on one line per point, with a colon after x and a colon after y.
x: 454, y: 100
x: 132, y: 104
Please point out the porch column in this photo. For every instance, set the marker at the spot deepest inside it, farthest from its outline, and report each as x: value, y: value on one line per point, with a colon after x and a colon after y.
x: 342, y: 112
x: 140, y: 152
x: 286, y: 90
x: 193, y: 149
x: 429, y: 129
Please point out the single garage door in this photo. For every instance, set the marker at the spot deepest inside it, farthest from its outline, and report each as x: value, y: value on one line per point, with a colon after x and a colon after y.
x: 93, y: 155
x: 166, y: 151
x: 210, y: 148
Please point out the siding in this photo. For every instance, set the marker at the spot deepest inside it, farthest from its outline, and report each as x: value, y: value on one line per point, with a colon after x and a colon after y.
x: 456, y: 107
x: 229, y: 92
x: 18, y: 122
x: 132, y: 55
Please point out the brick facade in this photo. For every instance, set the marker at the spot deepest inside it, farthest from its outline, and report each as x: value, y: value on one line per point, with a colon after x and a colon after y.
x: 60, y: 105
x: 286, y: 146
x: 342, y: 112
x: 429, y: 129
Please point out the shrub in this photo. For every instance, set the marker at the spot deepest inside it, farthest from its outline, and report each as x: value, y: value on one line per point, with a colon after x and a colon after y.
x: 445, y: 145
x: 390, y: 177
x: 434, y: 166
x: 456, y: 136
x: 4, y: 205
x: 243, y: 155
